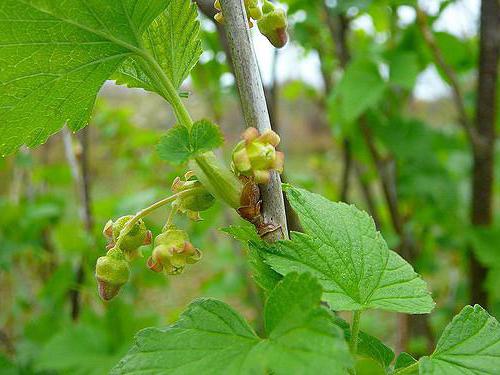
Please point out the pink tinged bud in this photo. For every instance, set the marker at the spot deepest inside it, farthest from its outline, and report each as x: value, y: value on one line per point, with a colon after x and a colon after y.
x: 250, y: 134
x: 108, y: 229
x: 111, y: 272
x: 195, y: 258
x: 273, y: 25
x: 154, y: 265
x: 107, y: 291
x: 269, y: 136
x: 149, y: 238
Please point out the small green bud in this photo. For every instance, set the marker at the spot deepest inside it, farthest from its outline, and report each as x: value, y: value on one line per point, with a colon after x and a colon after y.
x: 135, y: 238
x: 256, y: 155
x: 273, y: 25
x: 112, y: 272
x: 197, y: 199
x: 172, y: 252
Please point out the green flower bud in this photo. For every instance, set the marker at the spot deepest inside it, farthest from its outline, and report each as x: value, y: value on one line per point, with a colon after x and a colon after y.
x: 112, y: 272
x: 255, y: 156
x: 273, y: 25
x: 135, y: 238
x: 197, y: 199
x: 172, y: 252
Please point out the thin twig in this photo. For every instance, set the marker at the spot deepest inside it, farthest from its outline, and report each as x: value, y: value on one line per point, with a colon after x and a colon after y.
x: 81, y: 178
x: 254, y: 106
x: 450, y: 74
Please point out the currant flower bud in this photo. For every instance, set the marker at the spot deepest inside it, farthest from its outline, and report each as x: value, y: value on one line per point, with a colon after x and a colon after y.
x: 172, y: 252
x: 138, y: 236
x: 253, y: 9
x: 196, y: 197
x: 273, y: 24
x: 111, y: 272
x: 255, y: 156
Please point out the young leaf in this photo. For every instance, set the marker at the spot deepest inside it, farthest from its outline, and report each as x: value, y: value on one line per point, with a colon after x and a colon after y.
x: 174, y: 146
x: 180, y: 144
x: 351, y: 260
x: 204, y: 137
x: 211, y: 338
x: 55, y: 55
x: 174, y: 41
x: 470, y: 344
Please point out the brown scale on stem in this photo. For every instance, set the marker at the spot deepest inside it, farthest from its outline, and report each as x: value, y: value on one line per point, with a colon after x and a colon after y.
x: 250, y: 209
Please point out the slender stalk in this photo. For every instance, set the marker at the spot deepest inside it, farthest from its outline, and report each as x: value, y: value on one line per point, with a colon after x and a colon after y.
x: 353, y: 342
x: 168, y: 89
x: 145, y: 212
x: 254, y: 105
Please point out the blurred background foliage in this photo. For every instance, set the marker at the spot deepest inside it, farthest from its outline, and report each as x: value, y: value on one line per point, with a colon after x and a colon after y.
x: 361, y: 135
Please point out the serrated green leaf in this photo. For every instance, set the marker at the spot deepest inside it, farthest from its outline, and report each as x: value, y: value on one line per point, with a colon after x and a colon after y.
x: 179, y: 144
x: 174, y: 146
x: 351, y: 260
x: 211, y: 338
x: 174, y: 41
x: 470, y: 344
x: 54, y: 57
x: 205, y: 136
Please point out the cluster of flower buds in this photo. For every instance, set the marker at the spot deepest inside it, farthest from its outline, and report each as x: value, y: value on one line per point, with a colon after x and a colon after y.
x: 138, y: 236
x: 252, y: 8
x: 172, y: 252
x: 112, y: 272
x: 273, y: 24
x: 195, y: 199
x: 255, y: 156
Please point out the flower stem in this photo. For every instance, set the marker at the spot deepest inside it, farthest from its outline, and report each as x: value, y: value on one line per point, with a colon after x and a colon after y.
x: 353, y: 344
x: 168, y: 90
x: 146, y: 211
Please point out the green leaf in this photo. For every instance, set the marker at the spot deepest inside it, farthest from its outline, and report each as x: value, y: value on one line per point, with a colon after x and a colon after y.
x: 180, y: 144
x: 470, y: 344
x: 404, y: 69
x: 360, y: 88
x: 54, y: 57
x: 211, y: 338
x: 173, y: 39
x: 351, y: 260
x: 174, y: 146
x: 404, y: 360
x: 205, y: 136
